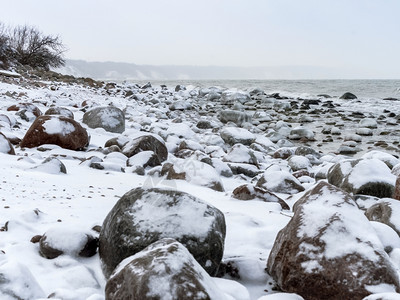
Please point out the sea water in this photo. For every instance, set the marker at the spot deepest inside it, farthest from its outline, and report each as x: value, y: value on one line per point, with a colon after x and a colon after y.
x: 370, y: 89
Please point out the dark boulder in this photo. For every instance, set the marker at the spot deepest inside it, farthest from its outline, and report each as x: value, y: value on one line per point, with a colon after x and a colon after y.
x: 143, y: 216
x: 5, y: 145
x: 60, y: 111
x: 348, y: 96
x: 146, y: 143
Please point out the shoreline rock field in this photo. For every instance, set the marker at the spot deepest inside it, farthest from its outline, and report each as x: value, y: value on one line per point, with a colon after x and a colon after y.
x: 129, y: 191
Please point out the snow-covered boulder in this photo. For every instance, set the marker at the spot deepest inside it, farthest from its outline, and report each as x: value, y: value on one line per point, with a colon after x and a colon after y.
x: 280, y: 182
x: 143, y: 216
x: 250, y: 192
x: 51, y: 165
x: 329, y: 250
x: 368, y: 123
x: 237, y: 117
x: 17, y: 282
x: 146, y: 143
x: 195, y: 172
x: 5, y: 145
x: 60, y: 111
x: 163, y: 270
x: 143, y: 159
x: 67, y: 240
x: 301, y: 133
x: 26, y: 111
x: 386, y: 211
x: 367, y: 177
x: 57, y: 130
x: 387, y: 158
x: 109, y: 118
x: 298, y: 162
x: 234, y: 135
x: 241, y: 154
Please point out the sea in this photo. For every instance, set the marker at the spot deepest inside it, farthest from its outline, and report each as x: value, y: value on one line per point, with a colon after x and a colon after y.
x: 370, y: 89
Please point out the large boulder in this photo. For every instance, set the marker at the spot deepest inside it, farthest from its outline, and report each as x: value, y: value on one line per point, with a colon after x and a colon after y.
x: 329, y: 250
x: 146, y: 143
x: 348, y: 96
x: 366, y: 176
x: 163, y: 270
x: 109, y: 118
x: 57, y: 130
x: 143, y: 216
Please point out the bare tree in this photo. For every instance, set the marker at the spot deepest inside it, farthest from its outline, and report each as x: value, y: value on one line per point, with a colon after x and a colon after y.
x: 5, y: 49
x: 31, y: 47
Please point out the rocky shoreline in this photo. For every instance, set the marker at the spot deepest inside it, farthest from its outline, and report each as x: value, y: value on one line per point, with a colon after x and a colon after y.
x: 238, y: 194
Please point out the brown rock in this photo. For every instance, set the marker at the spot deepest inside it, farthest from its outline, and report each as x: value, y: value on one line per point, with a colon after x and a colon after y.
x: 56, y: 130
x: 5, y: 145
x: 396, y: 194
x: 27, y: 106
x: 328, y: 250
x: 146, y: 143
x: 249, y: 192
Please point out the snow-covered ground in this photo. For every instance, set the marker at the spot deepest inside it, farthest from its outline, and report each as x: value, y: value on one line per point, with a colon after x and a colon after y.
x: 36, y: 199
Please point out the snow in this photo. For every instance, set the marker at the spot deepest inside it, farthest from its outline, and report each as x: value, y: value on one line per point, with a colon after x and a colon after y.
x: 57, y: 126
x: 370, y: 170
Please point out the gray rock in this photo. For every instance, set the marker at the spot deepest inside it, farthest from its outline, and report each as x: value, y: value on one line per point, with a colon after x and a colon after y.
x: 234, y: 116
x: 348, y: 96
x: 109, y: 118
x: 146, y: 143
x: 163, y: 270
x: 143, y: 216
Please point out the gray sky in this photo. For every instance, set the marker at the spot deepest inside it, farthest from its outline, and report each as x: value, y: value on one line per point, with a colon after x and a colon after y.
x: 360, y: 37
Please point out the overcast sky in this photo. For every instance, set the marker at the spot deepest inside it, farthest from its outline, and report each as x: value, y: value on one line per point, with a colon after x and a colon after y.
x: 360, y: 36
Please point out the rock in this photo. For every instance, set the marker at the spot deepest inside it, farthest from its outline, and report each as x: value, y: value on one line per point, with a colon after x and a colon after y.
x: 180, y: 105
x: 180, y: 87
x: 300, y: 133
x: 387, y: 158
x: 367, y: 177
x: 146, y: 143
x: 389, y: 238
x: 51, y: 165
x: 284, y: 152
x: 67, y: 240
x: 119, y: 141
x: 17, y: 282
x: 197, y: 173
x: 364, y: 131
x: 234, y: 116
x: 204, y: 124
x: 368, y: 123
x: 143, y: 216
x: 26, y: 108
x: 241, y: 154
x: 60, y: 111
x: 314, y: 261
x: 385, y: 211
x: 109, y: 118
x: 163, y: 270
x: 5, y: 145
x: 245, y: 169
x: 280, y: 182
x: 144, y: 159
x: 250, y: 192
x: 306, y: 151
x: 57, y: 130
x: 234, y: 97
x: 298, y: 162
x: 348, y: 96
x: 234, y: 135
